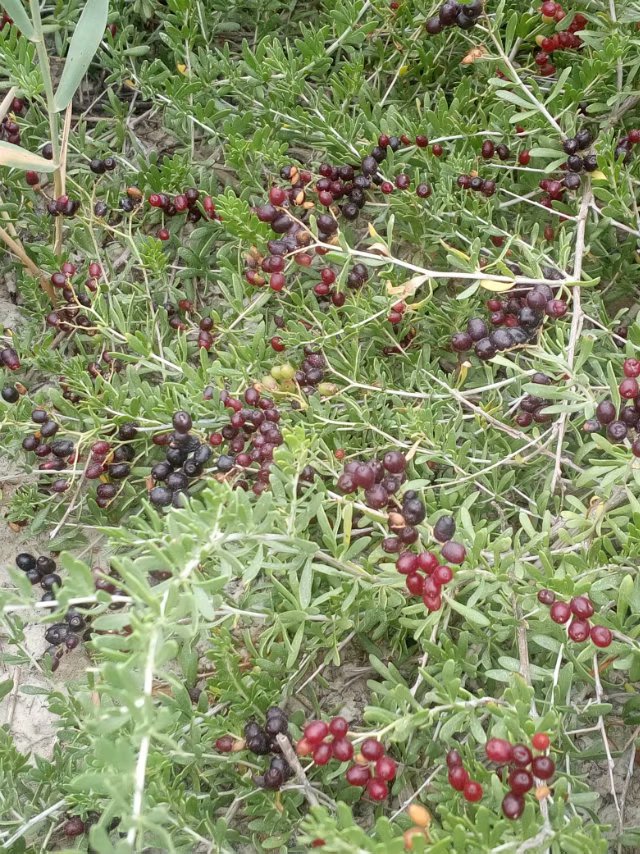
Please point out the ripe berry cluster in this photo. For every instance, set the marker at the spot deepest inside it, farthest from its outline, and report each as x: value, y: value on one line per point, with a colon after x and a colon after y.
x: 486, y: 186
x: 252, y: 434
x: 10, y: 129
x: 579, y: 609
x: 453, y: 14
x: 42, y: 444
x: 262, y: 741
x: 183, y: 203
x: 60, y: 636
x: 185, y: 459
x: 112, y: 462
x: 518, y: 320
x: 63, y: 206
x: 69, y: 318
x: 619, y: 422
x: 380, y: 479
x: 304, y: 196
x: 531, y: 406
x: 519, y: 758
x: 312, y: 370
x: 99, y: 166
x: 565, y: 40
x: 436, y: 575
x: 372, y: 767
x: 460, y: 780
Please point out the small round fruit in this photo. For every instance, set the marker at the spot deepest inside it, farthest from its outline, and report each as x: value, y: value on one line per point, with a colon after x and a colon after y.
x: 541, y: 740
x: 338, y: 727
x: 444, y: 529
x: 498, y: 750
x: 546, y: 597
x: 512, y: 806
x: 386, y: 768
x: 601, y: 636
x: 560, y: 612
x: 581, y: 607
x: 458, y: 778
x: 472, y: 791
x: 358, y: 775
x: 322, y: 753
x: 372, y: 749
x: 316, y: 731
x: 521, y: 755
x: 454, y: 552
x: 454, y: 760
x: 419, y: 815
x: 377, y: 789
x: 520, y: 781
x: 578, y: 630
x: 543, y: 767
x: 342, y: 749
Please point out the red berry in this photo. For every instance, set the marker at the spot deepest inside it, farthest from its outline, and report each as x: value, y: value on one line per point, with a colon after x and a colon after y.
x: 372, y: 749
x: 407, y: 563
x: 437, y: 149
x: 277, y: 196
x: 342, y: 749
x: 541, y: 740
x: 415, y: 584
x: 328, y: 276
x: 224, y: 744
x: 579, y: 630
x: 631, y: 368
x: 601, y: 636
x: 316, y: 731
x: 512, y: 806
x: 216, y: 439
x: 520, y: 781
x: 442, y: 575
x: 581, y: 607
x: 386, y: 187
x: 521, y: 755
x: 322, y: 753
x: 524, y: 158
x: 432, y: 603
x: 453, y: 759
x: 549, y: 233
x: 377, y: 790
x: 634, y: 136
x: 629, y: 388
x: 163, y: 234
x: 32, y: 178
x: 358, y: 775
x: 472, y: 791
x: 422, y: 141
x: 427, y: 562
x: 498, y: 750
x: 560, y: 612
x: 546, y: 597
x: 338, y: 727
x: 543, y: 767
x: 548, y: 9
x: 386, y: 768
x: 276, y: 344
x: 454, y: 552
x: 458, y: 777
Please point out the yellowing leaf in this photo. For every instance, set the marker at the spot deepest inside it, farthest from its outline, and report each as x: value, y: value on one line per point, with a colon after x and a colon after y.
x: 16, y: 157
x: 496, y: 287
x: 408, y: 288
x: 404, y: 69
x: 380, y: 248
x: 182, y: 68
x: 597, y: 175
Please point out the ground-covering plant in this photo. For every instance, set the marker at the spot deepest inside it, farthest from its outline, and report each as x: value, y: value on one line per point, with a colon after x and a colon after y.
x: 325, y: 394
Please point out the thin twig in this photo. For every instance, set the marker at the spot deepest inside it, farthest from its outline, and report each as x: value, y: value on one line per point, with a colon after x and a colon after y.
x: 294, y: 762
x: 576, y: 324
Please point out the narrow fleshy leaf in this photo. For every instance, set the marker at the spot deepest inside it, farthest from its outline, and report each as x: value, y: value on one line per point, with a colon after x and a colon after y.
x: 15, y: 10
x: 84, y: 44
x: 15, y: 157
